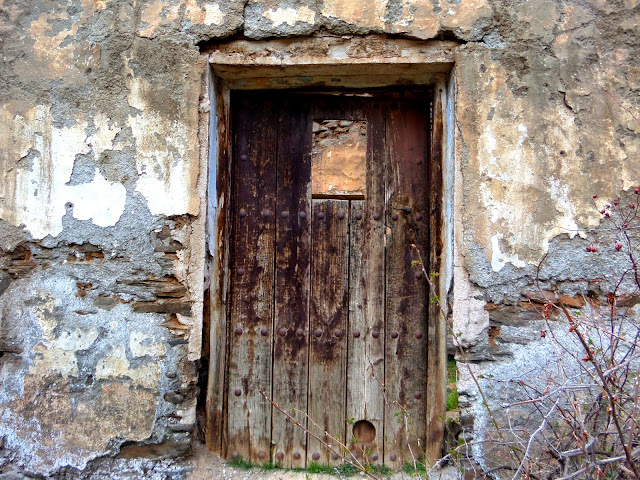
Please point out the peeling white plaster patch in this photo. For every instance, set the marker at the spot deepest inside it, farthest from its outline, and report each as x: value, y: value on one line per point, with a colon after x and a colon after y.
x: 566, y: 224
x: 499, y: 161
x: 102, y: 140
x: 137, y: 87
x: 499, y: 259
x: 359, y: 13
x: 187, y: 415
x: 505, y: 184
x: 163, y: 197
x: 290, y: 16
x: 100, y: 201
x: 113, y: 365
x: 35, y: 195
x: 76, y: 340
x: 470, y: 319
x: 164, y: 151
x: 142, y: 345
x: 41, y: 312
x: 58, y: 355
x: 147, y: 375
x: 39, y: 191
x: 213, y: 15
x: 116, y: 365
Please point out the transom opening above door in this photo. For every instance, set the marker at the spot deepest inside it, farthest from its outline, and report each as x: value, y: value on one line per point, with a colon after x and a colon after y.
x: 338, y: 159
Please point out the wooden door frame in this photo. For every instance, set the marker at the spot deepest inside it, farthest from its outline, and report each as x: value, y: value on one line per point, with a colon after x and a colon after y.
x: 228, y: 72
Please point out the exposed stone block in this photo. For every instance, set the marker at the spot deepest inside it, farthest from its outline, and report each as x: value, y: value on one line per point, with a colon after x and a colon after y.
x: 163, y: 306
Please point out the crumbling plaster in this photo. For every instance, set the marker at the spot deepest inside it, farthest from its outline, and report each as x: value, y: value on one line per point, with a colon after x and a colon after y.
x: 103, y: 179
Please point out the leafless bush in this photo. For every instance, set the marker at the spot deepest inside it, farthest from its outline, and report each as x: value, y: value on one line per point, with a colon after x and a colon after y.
x: 578, y: 416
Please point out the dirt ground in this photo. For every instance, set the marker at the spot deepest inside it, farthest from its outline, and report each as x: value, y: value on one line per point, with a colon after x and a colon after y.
x: 208, y: 466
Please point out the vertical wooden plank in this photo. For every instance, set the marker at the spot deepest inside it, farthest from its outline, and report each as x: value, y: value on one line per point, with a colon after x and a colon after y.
x: 407, y: 217
x: 290, y: 363
x: 437, y: 351
x: 251, y: 278
x: 365, y: 368
x: 327, y: 326
x: 219, y: 249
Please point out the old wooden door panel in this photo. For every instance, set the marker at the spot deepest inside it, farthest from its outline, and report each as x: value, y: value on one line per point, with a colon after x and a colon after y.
x: 290, y: 363
x: 406, y: 290
x: 328, y: 323
x: 365, y: 370
x: 348, y: 278
x: 248, y: 419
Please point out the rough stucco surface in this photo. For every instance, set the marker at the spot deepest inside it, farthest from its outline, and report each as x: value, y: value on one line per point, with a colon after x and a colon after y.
x: 101, y: 215
x: 101, y: 272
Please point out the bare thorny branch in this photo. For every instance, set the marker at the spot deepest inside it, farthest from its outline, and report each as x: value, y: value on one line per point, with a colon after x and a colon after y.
x: 610, y: 359
x: 598, y: 415
x: 353, y: 461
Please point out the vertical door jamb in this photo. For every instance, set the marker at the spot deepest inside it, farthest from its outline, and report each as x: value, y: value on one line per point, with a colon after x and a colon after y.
x: 218, y: 244
x: 437, y: 328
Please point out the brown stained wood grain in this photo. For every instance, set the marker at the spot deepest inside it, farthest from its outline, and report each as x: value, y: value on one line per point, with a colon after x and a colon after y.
x: 329, y: 308
x: 290, y: 363
x: 406, y: 289
x: 251, y: 272
x: 365, y: 368
x: 285, y: 285
x: 437, y: 353
x: 365, y: 395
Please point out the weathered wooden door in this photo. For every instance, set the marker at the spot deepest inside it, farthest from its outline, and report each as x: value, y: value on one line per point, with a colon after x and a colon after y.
x: 327, y: 309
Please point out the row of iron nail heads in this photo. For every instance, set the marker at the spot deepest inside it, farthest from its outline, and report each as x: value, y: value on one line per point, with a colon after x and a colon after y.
x: 318, y: 333
x: 285, y: 214
x: 316, y: 456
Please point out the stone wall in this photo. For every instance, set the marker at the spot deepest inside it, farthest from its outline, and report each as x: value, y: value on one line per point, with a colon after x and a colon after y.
x: 103, y: 177
x: 101, y: 234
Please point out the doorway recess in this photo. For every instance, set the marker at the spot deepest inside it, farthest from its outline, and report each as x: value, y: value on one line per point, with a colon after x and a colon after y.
x: 325, y: 172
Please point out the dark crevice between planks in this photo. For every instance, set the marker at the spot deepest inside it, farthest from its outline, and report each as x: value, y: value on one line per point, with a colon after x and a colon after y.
x: 272, y: 337
x: 203, y: 370
x: 384, y: 273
